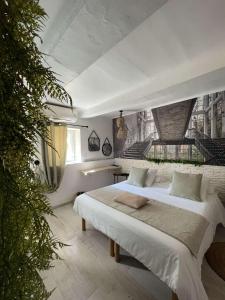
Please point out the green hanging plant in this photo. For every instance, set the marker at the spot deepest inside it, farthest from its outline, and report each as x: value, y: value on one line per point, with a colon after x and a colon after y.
x: 175, y: 161
x: 27, y: 245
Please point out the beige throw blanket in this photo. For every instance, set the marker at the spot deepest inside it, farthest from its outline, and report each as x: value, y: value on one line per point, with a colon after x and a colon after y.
x: 184, y: 225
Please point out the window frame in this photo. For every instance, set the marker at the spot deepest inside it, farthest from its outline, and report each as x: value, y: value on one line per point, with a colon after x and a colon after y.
x: 70, y: 162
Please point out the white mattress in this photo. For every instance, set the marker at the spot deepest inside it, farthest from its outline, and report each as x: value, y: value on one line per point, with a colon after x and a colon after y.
x: 165, y: 256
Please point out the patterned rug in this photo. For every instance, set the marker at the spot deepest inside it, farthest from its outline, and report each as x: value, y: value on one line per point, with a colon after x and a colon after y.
x: 216, y: 258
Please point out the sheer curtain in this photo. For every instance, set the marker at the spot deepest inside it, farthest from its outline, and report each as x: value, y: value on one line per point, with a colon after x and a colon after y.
x: 54, y: 155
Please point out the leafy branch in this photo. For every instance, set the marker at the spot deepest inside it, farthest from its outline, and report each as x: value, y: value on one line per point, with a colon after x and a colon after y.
x: 26, y: 242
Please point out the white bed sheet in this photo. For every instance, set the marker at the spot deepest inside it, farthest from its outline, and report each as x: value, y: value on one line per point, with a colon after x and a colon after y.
x: 165, y: 256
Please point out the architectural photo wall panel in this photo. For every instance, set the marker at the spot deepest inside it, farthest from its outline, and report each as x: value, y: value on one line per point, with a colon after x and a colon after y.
x: 191, y: 130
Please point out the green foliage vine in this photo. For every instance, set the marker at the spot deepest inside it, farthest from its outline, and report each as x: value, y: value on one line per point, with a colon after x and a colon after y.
x: 27, y: 245
x: 175, y: 161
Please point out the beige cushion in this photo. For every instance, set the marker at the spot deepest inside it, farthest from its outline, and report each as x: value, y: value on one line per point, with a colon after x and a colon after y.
x: 206, y: 188
x: 162, y: 178
x: 137, y: 176
x: 150, y: 178
x: 186, y: 185
x: 131, y: 200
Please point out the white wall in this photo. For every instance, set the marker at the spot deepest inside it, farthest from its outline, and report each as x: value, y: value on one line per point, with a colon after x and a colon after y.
x: 73, y: 181
x: 103, y: 128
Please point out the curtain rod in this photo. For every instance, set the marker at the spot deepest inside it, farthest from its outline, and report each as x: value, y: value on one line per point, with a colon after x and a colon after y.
x: 59, y: 104
x: 69, y: 124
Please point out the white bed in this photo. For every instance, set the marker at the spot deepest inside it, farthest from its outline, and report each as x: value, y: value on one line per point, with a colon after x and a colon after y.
x: 165, y: 256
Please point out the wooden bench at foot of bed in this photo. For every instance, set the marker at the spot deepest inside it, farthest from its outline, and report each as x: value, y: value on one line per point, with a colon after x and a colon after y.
x: 114, y: 250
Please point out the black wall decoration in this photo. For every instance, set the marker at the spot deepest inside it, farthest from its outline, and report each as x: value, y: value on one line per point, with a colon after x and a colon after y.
x: 93, y: 142
x: 106, y: 147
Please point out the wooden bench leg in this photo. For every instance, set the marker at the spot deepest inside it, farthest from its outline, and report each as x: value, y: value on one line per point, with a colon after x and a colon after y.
x: 174, y: 296
x: 117, y: 252
x: 83, y: 225
x: 111, y: 247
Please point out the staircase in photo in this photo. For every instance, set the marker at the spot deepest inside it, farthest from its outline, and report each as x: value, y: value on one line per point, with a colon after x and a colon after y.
x: 171, y: 122
x: 213, y: 150
x: 137, y: 150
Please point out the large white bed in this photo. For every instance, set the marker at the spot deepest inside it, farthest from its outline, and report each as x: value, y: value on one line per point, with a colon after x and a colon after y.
x: 164, y: 255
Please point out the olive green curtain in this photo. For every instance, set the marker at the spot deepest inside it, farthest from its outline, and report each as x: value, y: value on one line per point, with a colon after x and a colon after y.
x: 54, y: 154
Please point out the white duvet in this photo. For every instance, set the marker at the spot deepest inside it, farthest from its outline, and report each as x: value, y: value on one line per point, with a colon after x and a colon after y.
x: 165, y: 256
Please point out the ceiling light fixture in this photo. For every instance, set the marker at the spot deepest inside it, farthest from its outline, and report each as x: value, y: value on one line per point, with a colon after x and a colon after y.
x: 122, y: 127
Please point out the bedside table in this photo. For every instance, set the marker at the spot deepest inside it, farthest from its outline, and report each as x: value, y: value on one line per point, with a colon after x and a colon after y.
x: 117, y: 175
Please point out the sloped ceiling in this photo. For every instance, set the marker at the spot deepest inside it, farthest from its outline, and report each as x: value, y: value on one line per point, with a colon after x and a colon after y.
x: 132, y: 54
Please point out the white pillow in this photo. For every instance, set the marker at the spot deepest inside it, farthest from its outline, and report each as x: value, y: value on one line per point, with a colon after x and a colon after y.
x: 162, y: 178
x: 169, y: 188
x: 137, y: 176
x: 150, y: 178
x: 186, y: 185
x: 205, y: 188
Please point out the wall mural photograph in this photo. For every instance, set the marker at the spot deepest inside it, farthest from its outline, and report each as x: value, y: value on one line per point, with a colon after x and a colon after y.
x: 192, y: 130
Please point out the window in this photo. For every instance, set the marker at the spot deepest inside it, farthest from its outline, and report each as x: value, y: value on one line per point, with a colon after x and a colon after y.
x: 73, y: 153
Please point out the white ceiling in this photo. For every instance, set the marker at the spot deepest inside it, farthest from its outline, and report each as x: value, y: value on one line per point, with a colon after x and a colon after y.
x: 133, y: 54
